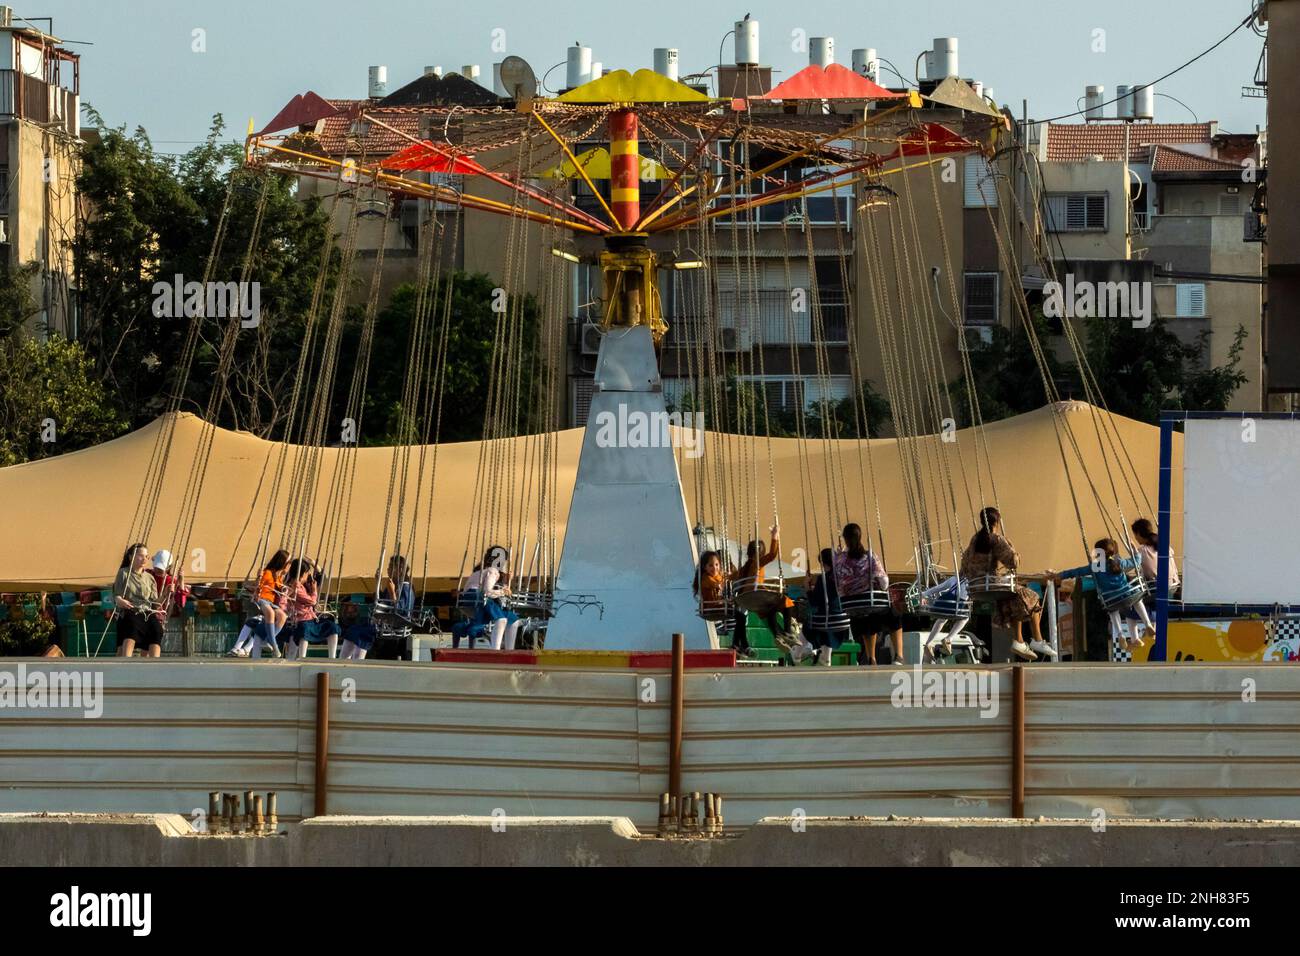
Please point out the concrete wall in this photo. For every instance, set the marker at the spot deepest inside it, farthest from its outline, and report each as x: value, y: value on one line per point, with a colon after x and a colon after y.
x: 908, y: 289
x: 1214, y: 244
x: 1136, y: 741
x: 1283, y: 334
x: 1092, y: 177
x: 168, y: 840
x: 42, y: 214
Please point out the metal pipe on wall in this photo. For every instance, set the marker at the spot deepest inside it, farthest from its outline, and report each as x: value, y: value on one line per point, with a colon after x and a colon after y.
x: 322, y: 742
x: 1018, y: 741
x: 678, y: 711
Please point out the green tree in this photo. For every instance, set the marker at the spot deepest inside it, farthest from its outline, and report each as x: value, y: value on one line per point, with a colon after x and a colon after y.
x: 1006, y: 375
x: 154, y: 217
x: 470, y: 348
x: 50, y: 399
x: 17, y: 304
x: 741, y: 399
x: 1142, y: 371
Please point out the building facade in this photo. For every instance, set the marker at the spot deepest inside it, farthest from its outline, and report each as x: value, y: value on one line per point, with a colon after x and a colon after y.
x: 40, y: 105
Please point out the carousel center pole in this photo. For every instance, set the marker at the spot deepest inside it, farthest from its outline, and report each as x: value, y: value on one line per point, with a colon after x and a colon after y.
x: 628, y: 542
x: 624, y: 168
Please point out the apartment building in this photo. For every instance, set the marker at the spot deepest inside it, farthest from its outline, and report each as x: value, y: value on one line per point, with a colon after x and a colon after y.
x: 40, y: 105
x: 1127, y: 197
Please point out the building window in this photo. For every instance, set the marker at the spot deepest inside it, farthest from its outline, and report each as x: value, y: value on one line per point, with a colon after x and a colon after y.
x: 1230, y: 204
x: 786, y: 393
x: 981, y: 298
x: 580, y: 393
x: 1189, y: 301
x: 980, y: 186
x: 1076, y: 212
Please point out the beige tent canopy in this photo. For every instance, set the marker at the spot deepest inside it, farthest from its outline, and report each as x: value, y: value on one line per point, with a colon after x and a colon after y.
x: 67, y: 518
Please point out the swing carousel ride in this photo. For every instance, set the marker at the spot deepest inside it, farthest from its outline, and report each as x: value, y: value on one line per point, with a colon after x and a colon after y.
x: 656, y: 184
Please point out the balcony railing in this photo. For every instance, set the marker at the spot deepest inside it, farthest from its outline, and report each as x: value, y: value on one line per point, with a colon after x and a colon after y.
x: 24, y: 97
x: 766, y: 317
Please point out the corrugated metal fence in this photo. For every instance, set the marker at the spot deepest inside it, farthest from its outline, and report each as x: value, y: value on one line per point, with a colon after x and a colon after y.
x: 1166, y: 740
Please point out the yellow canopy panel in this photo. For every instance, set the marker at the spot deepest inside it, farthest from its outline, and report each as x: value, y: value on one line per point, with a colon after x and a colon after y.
x: 595, y: 163
x: 645, y: 86
x: 68, y: 517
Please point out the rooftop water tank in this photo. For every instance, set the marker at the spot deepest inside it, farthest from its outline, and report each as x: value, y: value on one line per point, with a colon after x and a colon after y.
x: 1144, y: 102
x: 579, y: 66
x: 666, y: 61
x: 747, y: 42
x: 942, y: 63
x: 1123, y: 102
x: 378, y: 87
x: 821, y: 51
x: 1094, y: 97
x: 866, y: 64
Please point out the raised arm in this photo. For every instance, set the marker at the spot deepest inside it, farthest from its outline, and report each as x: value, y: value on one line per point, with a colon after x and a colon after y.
x: 773, y: 549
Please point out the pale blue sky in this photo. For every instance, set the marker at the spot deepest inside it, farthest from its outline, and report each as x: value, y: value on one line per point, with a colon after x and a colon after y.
x: 141, y: 69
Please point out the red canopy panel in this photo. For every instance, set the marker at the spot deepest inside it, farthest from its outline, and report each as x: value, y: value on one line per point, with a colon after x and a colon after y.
x: 426, y: 157
x: 305, y: 109
x: 835, y: 82
x: 941, y: 140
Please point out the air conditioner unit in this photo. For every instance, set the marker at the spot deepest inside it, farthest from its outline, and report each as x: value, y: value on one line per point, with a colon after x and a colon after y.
x: 591, y: 336
x: 974, y: 337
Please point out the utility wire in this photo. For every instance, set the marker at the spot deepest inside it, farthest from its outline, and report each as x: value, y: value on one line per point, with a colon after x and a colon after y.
x: 1160, y: 79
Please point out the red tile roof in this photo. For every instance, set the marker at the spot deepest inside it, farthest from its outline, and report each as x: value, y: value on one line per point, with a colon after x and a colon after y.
x: 1079, y: 142
x: 1167, y: 159
x: 379, y: 142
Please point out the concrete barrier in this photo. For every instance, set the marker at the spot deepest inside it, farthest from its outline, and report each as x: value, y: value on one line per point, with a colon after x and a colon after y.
x: 168, y: 840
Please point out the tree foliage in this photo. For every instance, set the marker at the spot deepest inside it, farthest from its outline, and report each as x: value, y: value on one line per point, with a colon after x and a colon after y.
x: 155, y: 218
x: 1139, y: 371
x: 471, y: 335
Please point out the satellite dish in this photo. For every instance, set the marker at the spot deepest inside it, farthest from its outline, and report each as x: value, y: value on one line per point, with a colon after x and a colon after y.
x: 518, y: 78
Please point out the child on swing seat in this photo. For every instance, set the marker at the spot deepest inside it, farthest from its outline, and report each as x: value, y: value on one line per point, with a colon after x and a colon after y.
x: 1112, y: 577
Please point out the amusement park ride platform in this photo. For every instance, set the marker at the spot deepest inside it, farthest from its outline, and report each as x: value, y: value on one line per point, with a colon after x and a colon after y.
x: 624, y: 575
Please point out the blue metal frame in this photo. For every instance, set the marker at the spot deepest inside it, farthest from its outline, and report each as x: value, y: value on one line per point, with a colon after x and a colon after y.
x: 1167, y: 422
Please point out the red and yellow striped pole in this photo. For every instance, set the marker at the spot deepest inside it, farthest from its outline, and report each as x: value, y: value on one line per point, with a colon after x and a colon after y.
x: 624, y: 169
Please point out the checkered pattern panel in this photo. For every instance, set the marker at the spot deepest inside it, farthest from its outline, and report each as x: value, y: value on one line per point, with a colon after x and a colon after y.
x: 1119, y: 654
x: 1283, y: 629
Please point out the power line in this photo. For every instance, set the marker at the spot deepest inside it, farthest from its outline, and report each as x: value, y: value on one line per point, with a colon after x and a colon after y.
x: 1159, y: 79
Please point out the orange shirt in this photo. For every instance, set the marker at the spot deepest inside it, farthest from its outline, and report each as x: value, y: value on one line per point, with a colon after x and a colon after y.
x: 711, y: 588
x: 267, y: 584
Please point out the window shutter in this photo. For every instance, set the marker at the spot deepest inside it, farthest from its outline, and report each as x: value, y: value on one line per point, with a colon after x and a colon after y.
x: 1057, y: 210
x: 1190, y: 300
x: 1076, y: 212
x: 1096, y: 212
x: 981, y: 298
x: 980, y: 187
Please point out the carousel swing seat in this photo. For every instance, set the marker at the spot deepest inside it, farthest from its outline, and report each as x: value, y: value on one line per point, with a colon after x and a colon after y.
x: 836, y: 628
x: 1123, y: 597
x: 759, y: 596
x: 865, y: 604
x: 991, y: 586
x: 948, y: 605
x: 718, y: 612
x: 530, y: 604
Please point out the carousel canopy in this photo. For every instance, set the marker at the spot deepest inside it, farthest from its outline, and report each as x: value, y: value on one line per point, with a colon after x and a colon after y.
x: 834, y: 82
x: 69, y: 516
